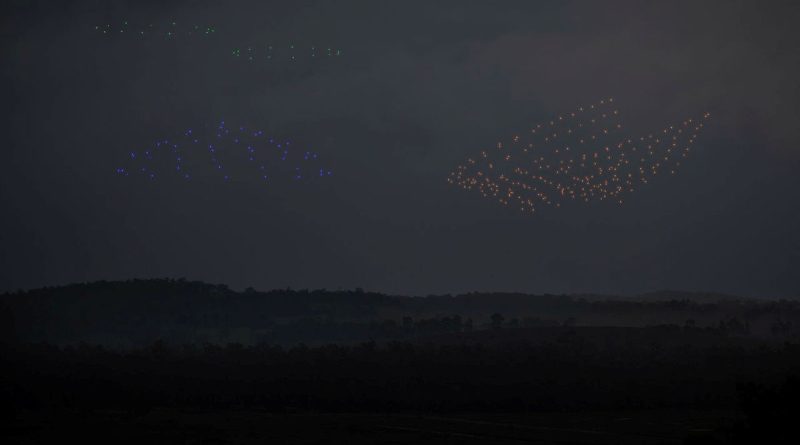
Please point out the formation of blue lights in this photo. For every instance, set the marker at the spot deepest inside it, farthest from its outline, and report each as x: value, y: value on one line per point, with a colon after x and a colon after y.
x: 226, y: 154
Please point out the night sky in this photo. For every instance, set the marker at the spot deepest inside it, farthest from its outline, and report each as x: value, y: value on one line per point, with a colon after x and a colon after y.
x: 417, y: 88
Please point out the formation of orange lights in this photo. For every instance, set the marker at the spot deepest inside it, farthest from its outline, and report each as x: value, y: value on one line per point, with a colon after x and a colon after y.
x: 582, y: 156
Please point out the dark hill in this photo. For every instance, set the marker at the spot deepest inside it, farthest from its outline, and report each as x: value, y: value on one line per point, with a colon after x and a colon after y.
x: 138, y: 312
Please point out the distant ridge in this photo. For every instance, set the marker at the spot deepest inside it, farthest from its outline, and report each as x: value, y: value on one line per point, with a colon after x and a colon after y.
x: 698, y: 297
x: 183, y: 284
x: 137, y: 312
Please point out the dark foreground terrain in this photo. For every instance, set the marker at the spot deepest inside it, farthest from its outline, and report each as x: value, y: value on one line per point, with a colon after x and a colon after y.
x: 165, y: 361
x: 250, y: 427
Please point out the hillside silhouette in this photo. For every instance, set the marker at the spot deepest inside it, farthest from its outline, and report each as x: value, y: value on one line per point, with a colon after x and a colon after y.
x: 139, y: 312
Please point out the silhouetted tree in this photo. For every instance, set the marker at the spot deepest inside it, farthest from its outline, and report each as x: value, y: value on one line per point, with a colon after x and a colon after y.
x: 408, y: 323
x: 497, y: 321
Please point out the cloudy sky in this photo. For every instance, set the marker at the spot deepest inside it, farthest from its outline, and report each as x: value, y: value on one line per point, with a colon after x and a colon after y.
x: 418, y: 88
